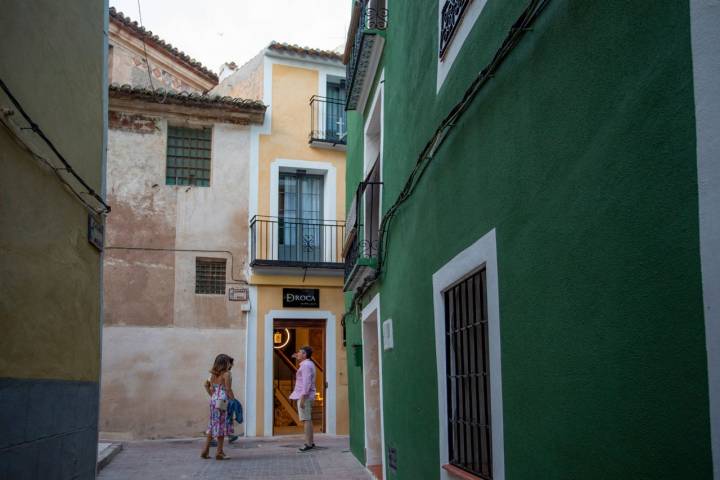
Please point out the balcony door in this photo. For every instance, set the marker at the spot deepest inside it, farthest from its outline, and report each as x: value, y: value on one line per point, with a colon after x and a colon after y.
x: 300, y: 217
x: 335, y: 120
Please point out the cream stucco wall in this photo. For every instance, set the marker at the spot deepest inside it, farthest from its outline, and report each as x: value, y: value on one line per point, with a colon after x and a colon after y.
x: 152, y: 386
x: 160, y: 336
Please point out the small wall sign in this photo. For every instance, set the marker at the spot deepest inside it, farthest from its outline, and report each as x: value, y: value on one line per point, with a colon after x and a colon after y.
x: 96, y: 232
x: 301, y: 297
x: 238, y: 294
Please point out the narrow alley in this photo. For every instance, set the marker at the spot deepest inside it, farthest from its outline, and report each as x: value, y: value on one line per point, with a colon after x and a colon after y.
x: 249, y: 458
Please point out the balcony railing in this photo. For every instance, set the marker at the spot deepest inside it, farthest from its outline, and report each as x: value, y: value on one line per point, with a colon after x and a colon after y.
x: 328, y: 121
x: 370, y: 17
x: 362, y: 242
x: 291, y: 242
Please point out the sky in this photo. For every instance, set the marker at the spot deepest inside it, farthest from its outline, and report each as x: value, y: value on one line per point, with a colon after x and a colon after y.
x: 217, y: 31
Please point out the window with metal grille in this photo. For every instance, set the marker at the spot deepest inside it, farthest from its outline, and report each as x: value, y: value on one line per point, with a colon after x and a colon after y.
x: 188, y: 156
x: 468, y: 381
x: 210, y: 275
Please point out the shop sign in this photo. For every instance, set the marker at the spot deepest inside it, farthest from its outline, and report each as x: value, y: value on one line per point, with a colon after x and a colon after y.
x: 301, y: 297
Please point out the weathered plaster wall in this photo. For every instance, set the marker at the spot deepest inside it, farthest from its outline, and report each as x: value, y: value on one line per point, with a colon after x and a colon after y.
x: 152, y: 386
x: 247, y: 82
x: 149, y: 289
x: 49, y: 274
x: 127, y: 64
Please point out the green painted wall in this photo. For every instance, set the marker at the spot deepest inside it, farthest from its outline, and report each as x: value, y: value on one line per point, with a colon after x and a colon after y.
x: 581, y: 153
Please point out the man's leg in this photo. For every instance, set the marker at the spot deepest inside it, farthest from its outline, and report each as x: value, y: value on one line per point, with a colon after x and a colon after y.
x: 309, y: 433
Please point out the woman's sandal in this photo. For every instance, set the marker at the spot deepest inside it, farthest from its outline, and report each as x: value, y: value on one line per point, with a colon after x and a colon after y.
x: 221, y: 456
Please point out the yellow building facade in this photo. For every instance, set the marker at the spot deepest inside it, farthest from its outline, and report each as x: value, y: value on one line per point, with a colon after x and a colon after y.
x: 296, y: 228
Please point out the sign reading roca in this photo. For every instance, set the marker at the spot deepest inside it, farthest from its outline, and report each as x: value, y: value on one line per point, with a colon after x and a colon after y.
x: 301, y: 297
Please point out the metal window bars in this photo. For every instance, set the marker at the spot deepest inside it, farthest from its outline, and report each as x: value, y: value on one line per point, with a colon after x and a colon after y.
x: 210, y: 276
x: 468, y: 380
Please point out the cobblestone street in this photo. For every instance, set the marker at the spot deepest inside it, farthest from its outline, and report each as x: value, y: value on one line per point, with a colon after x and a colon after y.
x: 250, y: 458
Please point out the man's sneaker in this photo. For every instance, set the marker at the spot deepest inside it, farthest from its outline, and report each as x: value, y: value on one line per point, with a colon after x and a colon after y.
x: 233, y: 438
x: 306, y: 447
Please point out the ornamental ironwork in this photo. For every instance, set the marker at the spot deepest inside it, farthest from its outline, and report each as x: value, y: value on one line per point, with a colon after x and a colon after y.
x: 451, y: 16
x: 373, y: 17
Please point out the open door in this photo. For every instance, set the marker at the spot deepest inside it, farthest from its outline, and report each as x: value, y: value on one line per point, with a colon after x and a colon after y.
x: 288, y: 337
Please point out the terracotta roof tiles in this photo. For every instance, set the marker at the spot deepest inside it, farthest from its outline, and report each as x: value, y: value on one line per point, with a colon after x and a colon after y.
x: 186, y: 98
x: 305, y: 51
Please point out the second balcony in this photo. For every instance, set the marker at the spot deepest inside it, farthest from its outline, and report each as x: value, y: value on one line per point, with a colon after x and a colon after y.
x: 291, y: 243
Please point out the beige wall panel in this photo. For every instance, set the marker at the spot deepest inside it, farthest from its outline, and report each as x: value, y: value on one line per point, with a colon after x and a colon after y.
x: 139, y: 288
x: 152, y: 379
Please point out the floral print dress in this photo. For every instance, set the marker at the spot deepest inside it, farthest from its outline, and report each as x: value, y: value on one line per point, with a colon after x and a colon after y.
x: 218, y: 425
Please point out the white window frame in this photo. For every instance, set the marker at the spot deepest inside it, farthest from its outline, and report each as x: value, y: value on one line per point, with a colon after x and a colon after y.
x: 467, y: 22
x: 329, y: 172
x: 482, y: 253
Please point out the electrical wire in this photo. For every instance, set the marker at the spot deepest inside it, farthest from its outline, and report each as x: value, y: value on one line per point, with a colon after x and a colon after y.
x: 235, y: 281
x: 517, y: 31
x: 147, y: 62
x: 89, y: 191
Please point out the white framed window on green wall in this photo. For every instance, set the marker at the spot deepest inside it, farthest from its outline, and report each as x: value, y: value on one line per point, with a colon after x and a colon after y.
x: 189, y: 152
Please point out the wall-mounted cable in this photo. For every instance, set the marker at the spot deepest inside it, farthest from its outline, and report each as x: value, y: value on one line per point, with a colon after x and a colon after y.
x: 235, y: 281
x: 517, y: 31
x: 86, y: 195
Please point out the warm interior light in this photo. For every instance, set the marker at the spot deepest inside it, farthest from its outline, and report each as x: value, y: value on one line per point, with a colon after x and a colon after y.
x: 277, y: 338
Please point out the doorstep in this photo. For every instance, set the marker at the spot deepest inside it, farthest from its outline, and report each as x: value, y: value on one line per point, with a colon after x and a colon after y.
x: 106, y: 452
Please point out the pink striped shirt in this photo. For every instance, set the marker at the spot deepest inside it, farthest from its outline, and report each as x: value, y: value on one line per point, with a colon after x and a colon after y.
x: 304, y: 381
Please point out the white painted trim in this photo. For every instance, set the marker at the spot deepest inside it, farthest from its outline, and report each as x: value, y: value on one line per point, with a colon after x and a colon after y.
x: 469, y: 18
x: 250, y: 410
x: 379, y: 94
x: 326, y: 169
x: 705, y: 38
x: 374, y: 306
x: 330, y: 364
x: 482, y: 253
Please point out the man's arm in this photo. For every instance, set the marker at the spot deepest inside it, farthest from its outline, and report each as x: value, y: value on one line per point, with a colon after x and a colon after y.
x: 307, y: 378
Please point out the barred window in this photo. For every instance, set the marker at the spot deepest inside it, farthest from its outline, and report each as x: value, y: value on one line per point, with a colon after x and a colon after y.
x: 210, y: 275
x: 188, y: 156
x: 468, y: 381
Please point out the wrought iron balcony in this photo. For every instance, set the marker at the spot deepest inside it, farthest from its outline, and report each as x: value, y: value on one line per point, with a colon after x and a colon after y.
x: 328, y: 122
x: 363, y: 49
x: 291, y: 242
x: 362, y: 238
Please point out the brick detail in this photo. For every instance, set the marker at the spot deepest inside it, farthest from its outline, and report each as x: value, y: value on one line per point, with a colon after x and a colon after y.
x: 132, y: 122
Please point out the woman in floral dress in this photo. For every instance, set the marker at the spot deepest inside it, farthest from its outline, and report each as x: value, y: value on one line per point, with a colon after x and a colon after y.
x: 219, y: 387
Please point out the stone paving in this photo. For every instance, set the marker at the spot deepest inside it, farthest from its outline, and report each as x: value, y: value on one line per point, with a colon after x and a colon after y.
x: 251, y: 458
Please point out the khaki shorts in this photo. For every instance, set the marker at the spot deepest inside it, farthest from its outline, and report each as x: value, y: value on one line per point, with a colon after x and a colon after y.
x: 305, y: 413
